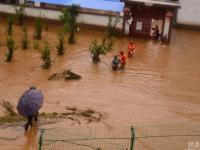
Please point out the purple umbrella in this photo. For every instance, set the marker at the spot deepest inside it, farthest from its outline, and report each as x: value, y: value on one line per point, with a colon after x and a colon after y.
x: 30, y: 102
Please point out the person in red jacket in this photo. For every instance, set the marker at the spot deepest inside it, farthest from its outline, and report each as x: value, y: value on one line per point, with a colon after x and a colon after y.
x: 131, y: 49
x: 122, y: 60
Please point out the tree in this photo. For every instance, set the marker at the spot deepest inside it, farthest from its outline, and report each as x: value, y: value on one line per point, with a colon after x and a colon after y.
x: 38, y: 29
x: 20, y: 14
x: 68, y: 17
x: 111, y: 26
x: 10, y: 22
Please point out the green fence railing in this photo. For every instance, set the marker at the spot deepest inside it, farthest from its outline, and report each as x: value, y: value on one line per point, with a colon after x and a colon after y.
x: 165, y: 137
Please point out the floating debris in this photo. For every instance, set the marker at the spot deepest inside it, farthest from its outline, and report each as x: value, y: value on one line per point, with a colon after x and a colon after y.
x: 69, y: 75
x: 8, y: 107
x: 87, y: 115
x: 66, y: 74
x: 75, y: 114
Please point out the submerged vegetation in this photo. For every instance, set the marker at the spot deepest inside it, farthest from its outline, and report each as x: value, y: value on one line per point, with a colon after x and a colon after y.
x: 60, y: 46
x: 68, y: 17
x: 75, y: 114
x: 11, y: 48
x: 99, y: 48
x: 111, y: 26
x: 46, y: 56
x: 20, y: 14
x: 66, y: 74
x: 10, y: 22
x: 38, y: 28
x: 25, y: 40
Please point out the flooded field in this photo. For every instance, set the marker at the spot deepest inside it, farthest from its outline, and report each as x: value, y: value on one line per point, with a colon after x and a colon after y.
x: 159, y: 85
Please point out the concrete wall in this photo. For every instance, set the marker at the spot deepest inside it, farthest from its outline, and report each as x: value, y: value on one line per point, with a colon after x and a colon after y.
x: 189, y: 13
x: 91, y: 19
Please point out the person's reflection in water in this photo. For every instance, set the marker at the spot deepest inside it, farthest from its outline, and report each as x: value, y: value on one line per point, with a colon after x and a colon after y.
x: 31, y: 138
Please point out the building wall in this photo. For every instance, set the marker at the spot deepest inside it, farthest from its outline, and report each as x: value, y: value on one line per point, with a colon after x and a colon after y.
x: 91, y: 19
x: 189, y: 12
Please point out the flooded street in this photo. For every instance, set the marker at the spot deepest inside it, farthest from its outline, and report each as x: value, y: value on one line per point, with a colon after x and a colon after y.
x: 159, y: 85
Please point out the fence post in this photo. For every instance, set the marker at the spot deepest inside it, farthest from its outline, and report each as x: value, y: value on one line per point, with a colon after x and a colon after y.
x: 132, y: 138
x: 40, y: 141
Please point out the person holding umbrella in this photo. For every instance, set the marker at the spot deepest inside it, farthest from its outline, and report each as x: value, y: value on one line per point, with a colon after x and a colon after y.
x: 29, y: 104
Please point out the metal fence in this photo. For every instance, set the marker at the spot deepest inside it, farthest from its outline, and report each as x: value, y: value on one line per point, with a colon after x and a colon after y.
x: 167, y: 137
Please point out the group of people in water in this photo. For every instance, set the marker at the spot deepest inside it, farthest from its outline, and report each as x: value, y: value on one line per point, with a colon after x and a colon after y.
x: 119, y: 61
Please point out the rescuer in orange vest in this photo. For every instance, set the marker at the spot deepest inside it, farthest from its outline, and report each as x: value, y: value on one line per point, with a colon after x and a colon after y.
x: 122, y: 60
x: 131, y: 49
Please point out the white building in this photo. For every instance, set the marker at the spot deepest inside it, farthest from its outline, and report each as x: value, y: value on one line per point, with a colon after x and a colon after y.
x: 189, y: 13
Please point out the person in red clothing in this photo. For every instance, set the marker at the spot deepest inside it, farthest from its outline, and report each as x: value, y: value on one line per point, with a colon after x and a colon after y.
x: 131, y: 49
x: 122, y: 60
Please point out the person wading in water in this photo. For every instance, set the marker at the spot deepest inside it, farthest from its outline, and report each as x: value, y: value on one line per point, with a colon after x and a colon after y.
x: 156, y: 33
x: 122, y: 60
x: 115, y: 63
x: 131, y: 49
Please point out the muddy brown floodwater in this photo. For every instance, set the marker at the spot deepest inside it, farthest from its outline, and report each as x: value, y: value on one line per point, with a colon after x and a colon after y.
x: 160, y: 84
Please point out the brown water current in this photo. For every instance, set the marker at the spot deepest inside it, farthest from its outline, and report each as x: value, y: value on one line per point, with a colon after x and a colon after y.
x: 161, y: 83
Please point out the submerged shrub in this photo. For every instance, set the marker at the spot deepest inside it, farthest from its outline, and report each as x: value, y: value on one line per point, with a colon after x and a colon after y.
x: 10, y: 22
x: 36, y: 45
x: 111, y: 26
x: 46, y: 56
x: 96, y: 48
x: 25, y: 41
x: 20, y: 14
x: 60, y: 45
x: 11, y: 48
x: 38, y: 29
x: 68, y: 17
x: 8, y: 107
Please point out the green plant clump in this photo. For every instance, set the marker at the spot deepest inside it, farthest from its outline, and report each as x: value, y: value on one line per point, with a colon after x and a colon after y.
x: 11, y: 48
x: 96, y: 49
x: 46, y: 56
x: 38, y: 29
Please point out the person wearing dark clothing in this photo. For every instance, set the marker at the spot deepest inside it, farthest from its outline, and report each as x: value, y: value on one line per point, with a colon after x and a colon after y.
x: 156, y: 33
x: 115, y: 63
x: 31, y: 119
